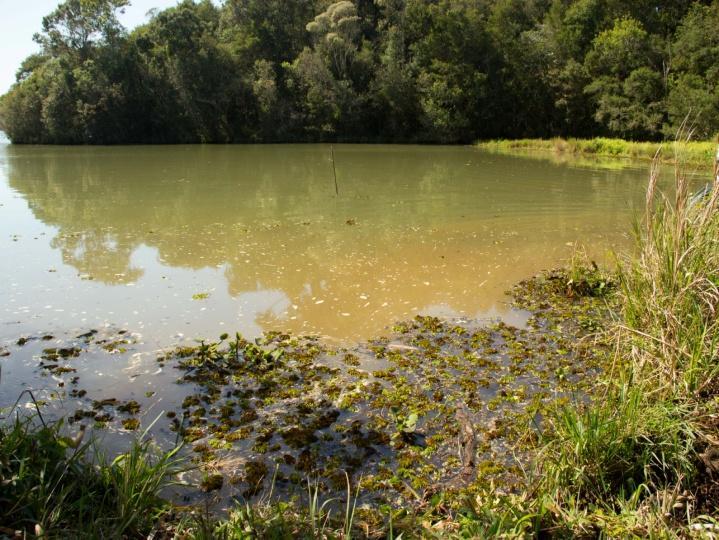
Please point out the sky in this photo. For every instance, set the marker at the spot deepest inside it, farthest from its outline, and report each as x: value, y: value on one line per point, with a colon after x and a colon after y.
x: 22, y: 18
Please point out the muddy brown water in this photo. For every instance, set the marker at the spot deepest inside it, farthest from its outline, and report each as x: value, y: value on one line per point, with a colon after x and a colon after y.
x: 124, y: 252
x: 191, y: 240
x: 171, y: 243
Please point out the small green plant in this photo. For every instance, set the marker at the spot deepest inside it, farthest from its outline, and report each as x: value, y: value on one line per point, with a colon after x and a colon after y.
x: 405, y: 425
x: 585, y: 278
x: 615, y: 447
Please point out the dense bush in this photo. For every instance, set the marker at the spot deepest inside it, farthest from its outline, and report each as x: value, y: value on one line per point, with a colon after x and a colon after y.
x: 363, y: 70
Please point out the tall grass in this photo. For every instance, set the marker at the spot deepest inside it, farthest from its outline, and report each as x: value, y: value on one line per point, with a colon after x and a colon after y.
x: 133, y: 482
x: 628, y: 458
x: 266, y: 518
x: 616, y: 447
x: 671, y: 288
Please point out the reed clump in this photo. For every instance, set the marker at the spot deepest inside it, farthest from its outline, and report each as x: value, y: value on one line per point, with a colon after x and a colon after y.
x: 671, y: 289
x: 636, y: 459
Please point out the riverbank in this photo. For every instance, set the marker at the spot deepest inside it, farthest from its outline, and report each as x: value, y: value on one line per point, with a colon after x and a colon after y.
x: 693, y: 153
x: 600, y: 417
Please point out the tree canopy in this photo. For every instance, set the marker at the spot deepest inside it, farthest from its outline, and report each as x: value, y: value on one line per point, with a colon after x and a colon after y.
x: 368, y: 70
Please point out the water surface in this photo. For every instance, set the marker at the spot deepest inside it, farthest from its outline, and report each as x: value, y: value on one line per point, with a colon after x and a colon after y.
x: 193, y: 240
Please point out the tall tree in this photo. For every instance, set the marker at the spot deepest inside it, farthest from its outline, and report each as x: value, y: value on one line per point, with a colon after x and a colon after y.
x: 393, y: 70
x: 626, y: 84
x: 76, y: 25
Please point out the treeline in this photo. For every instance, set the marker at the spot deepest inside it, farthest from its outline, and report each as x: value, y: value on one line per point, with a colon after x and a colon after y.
x: 369, y: 70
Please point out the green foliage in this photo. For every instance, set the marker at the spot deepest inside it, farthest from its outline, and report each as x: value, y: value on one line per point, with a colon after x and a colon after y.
x: 693, y: 89
x: 584, y: 278
x: 76, y: 25
x: 51, y: 487
x: 694, y: 153
x: 396, y: 70
x: 627, y: 89
x: 618, y: 51
x: 404, y: 424
x: 616, y: 447
x: 671, y: 290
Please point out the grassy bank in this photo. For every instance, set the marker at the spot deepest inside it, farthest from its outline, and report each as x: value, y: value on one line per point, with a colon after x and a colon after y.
x: 695, y: 154
x: 642, y: 460
x: 633, y: 454
x: 52, y: 488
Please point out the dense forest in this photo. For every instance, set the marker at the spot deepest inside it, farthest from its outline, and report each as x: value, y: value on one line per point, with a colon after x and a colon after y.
x: 368, y: 70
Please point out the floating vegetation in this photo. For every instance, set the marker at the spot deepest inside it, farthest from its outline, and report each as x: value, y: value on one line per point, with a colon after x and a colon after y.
x: 131, y: 407
x: 53, y: 355
x: 131, y: 424
x: 212, y: 482
x: 388, y: 416
x: 201, y: 296
x: 87, y: 336
x: 310, y: 411
x: 102, y: 403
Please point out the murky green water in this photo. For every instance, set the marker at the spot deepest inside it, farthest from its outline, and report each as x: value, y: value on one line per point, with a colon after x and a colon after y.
x: 191, y: 240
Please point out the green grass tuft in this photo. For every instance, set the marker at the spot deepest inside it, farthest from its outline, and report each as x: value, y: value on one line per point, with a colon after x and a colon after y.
x: 52, y: 488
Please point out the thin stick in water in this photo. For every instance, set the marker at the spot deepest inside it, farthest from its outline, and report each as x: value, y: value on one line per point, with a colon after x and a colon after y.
x: 334, y: 170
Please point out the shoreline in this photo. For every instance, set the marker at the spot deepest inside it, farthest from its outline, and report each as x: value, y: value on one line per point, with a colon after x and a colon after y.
x: 693, y: 153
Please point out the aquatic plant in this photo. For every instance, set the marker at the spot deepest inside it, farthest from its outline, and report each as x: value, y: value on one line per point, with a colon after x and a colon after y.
x: 405, y: 425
